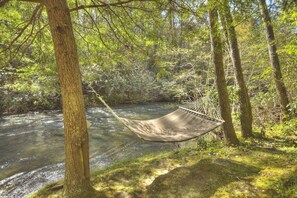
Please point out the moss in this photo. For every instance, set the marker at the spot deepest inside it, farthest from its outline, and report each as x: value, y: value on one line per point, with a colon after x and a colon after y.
x: 201, y: 179
x: 52, y: 190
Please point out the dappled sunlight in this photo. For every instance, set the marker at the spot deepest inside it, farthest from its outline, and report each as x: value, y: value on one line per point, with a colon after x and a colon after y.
x: 209, y: 171
x: 201, y: 179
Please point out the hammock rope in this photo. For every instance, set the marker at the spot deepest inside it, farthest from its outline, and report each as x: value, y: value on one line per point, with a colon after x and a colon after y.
x: 115, y: 150
x: 105, y: 104
x: 180, y: 125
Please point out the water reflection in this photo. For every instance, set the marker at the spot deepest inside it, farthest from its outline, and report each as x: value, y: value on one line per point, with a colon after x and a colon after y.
x: 32, y: 150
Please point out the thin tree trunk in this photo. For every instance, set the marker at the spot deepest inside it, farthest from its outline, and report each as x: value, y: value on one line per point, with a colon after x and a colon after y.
x: 246, y: 118
x: 224, y: 102
x: 77, y: 171
x: 277, y: 74
x: 171, y: 18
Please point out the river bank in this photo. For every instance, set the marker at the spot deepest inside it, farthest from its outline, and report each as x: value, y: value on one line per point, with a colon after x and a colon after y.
x: 259, y: 167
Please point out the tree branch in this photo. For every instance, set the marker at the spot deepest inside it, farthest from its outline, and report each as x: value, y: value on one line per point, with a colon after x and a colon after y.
x: 103, y: 4
x: 98, y: 30
x: 32, y: 19
x: 3, y: 2
x: 33, y: 1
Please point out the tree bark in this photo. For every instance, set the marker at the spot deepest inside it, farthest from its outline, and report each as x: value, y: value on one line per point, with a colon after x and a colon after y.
x: 274, y: 60
x: 246, y: 118
x: 77, y: 171
x: 217, y: 52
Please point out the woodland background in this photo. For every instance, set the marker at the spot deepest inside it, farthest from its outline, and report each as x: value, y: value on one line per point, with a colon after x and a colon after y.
x: 145, y: 52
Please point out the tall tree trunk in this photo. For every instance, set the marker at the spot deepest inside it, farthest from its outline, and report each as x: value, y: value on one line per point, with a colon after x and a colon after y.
x: 224, y: 102
x: 246, y: 118
x: 171, y: 18
x: 274, y: 61
x: 77, y: 171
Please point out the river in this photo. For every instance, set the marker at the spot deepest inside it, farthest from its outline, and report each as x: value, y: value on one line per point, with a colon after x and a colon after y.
x: 32, y: 150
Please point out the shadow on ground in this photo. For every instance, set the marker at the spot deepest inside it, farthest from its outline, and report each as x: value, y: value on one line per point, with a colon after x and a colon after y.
x: 199, y: 180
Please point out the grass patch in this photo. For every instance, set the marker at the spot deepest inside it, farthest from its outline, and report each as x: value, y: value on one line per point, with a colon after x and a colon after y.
x: 259, y: 167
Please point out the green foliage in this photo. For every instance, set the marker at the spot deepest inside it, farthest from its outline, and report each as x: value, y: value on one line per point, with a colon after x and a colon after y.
x: 142, y: 52
x: 288, y: 49
x: 287, y: 128
x: 36, y: 78
x: 293, y: 109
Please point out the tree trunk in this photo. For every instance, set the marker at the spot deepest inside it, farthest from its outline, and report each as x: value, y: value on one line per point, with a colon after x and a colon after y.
x: 246, y: 118
x: 77, y: 171
x: 224, y: 102
x: 171, y: 19
x: 274, y: 61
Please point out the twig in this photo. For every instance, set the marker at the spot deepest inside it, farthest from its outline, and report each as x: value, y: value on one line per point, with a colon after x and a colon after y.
x: 31, y: 20
x: 103, y: 4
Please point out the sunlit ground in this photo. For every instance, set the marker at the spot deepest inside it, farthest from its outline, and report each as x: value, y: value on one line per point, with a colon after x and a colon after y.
x: 261, y: 167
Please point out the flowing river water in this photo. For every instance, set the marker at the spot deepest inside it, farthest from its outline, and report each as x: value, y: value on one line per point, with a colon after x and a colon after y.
x: 32, y: 150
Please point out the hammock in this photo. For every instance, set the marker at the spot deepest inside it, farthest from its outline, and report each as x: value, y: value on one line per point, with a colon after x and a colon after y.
x: 180, y: 125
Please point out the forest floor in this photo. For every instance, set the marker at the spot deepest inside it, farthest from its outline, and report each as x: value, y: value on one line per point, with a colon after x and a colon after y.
x: 259, y: 167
